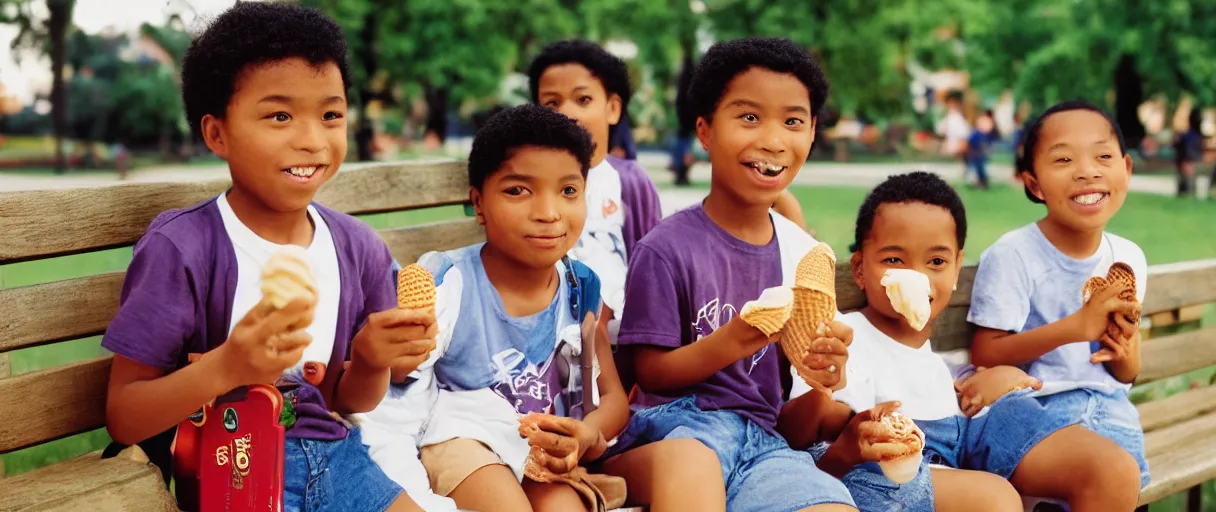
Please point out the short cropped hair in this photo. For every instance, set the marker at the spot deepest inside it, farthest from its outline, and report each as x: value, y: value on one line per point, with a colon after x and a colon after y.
x: 913, y: 187
x: 525, y: 125
x: 249, y: 34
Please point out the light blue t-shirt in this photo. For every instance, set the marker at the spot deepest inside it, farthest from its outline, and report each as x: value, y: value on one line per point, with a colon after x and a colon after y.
x: 1024, y: 282
x: 517, y: 357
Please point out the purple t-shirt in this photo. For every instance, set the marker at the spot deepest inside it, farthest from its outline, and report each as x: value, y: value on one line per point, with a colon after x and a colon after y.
x: 687, y: 278
x: 641, y: 200
x: 178, y: 292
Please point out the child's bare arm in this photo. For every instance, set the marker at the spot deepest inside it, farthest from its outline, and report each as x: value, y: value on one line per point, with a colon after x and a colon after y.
x: 811, y: 418
x: 992, y: 347
x: 662, y: 369
x: 143, y: 401
x: 395, y: 340
x: 610, y: 418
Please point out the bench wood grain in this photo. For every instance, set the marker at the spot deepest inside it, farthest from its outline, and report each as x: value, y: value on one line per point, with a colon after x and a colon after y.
x: 88, y: 483
x: 50, y: 404
x: 44, y: 223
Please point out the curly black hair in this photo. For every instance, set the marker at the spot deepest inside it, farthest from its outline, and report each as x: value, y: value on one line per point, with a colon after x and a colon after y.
x: 1030, y: 141
x: 248, y: 34
x: 726, y: 60
x: 913, y: 187
x: 525, y: 125
x: 609, y: 69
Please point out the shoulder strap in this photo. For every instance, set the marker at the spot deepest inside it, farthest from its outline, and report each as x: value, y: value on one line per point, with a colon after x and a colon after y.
x: 584, y: 288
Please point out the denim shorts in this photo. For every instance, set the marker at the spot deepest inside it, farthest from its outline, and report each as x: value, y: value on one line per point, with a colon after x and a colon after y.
x: 334, y: 475
x: 1110, y: 415
x: 761, y: 471
x: 994, y: 441
x: 997, y: 439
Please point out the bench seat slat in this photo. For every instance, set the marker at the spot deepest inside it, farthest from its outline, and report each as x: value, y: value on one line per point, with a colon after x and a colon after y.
x: 88, y: 483
x: 1177, y: 408
x: 1184, y: 461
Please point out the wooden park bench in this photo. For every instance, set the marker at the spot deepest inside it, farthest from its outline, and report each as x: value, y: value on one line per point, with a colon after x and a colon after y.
x: 50, y: 404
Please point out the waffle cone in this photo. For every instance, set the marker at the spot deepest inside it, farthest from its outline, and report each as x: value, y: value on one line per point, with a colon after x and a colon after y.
x: 817, y: 270
x: 771, y: 311
x: 1121, y: 275
x: 286, y: 276
x: 415, y: 287
x: 814, y: 306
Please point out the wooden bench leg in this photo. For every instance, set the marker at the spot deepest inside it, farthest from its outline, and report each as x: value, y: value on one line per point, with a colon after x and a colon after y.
x: 1194, y: 499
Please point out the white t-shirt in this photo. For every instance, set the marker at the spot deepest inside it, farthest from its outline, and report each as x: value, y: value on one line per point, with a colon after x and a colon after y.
x: 1024, y: 282
x: 955, y: 129
x: 252, y: 253
x: 602, y: 243
x: 881, y: 369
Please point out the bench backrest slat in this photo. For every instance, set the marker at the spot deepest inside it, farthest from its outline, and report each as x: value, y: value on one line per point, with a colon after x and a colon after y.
x: 43, y: 223
x: 51, y: 404
x: 1176, y: 354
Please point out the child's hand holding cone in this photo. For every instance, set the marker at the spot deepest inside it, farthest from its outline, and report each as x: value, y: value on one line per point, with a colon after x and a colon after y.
x: 557, y: 445
x: 815, y: 344
x: 1111, y: 313
x: 401, y: 338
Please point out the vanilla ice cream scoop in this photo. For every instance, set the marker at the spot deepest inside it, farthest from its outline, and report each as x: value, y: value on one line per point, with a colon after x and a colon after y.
x: 909, y: 293
x: 286, y: 276
x: 771, y: 311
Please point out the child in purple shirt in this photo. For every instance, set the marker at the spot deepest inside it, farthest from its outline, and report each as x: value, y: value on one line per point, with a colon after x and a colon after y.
x: 265, y: 87
x: 586, y: 83
x: 710, y: 387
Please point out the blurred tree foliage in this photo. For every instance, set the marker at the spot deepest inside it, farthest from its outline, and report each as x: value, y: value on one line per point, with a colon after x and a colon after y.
x: 1116, y: 53
x: 454, y: 55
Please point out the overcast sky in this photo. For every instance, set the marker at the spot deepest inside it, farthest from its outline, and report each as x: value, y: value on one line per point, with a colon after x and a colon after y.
x: 94, y: 16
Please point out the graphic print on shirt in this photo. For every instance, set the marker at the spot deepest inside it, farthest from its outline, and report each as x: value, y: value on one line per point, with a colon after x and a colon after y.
x: 610, y: 207
x: 523, y: 384
x: 713, y: 315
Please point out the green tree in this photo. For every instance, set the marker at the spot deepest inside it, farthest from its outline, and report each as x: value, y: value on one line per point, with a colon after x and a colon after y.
x: 864, y: 46
x: 664, y: 31
x: 446, y: 51
x: 1050, y: 51
x: 48, y: 34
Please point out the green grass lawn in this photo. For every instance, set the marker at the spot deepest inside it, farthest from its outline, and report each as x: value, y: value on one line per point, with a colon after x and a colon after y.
x: 1166, y: 228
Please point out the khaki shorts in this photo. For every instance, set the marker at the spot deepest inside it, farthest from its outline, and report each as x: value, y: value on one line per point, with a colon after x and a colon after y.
x: 450, y: 462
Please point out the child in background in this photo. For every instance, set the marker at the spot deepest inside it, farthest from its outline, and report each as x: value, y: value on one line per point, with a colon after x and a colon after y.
x: 265, y: 87
x: 710, y: 385
x: 512, y: 313
x: 979, y: 146
x: 1028, y: 307
x: 586, y: 83
x: 916, y: 223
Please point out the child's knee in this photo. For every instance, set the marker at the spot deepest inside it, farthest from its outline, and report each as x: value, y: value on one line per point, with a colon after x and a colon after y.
x: 1113, y: 470
x: 552, y: 497
x: 695, y: 460
x: 1004, y: 498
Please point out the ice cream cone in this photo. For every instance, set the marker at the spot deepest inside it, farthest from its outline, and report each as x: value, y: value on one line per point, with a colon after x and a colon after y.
x: 415, y: 287
x: 286, y: 276
x: 814, y: 306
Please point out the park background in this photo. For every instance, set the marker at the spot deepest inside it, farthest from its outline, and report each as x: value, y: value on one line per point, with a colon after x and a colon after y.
x: 89, y: 94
